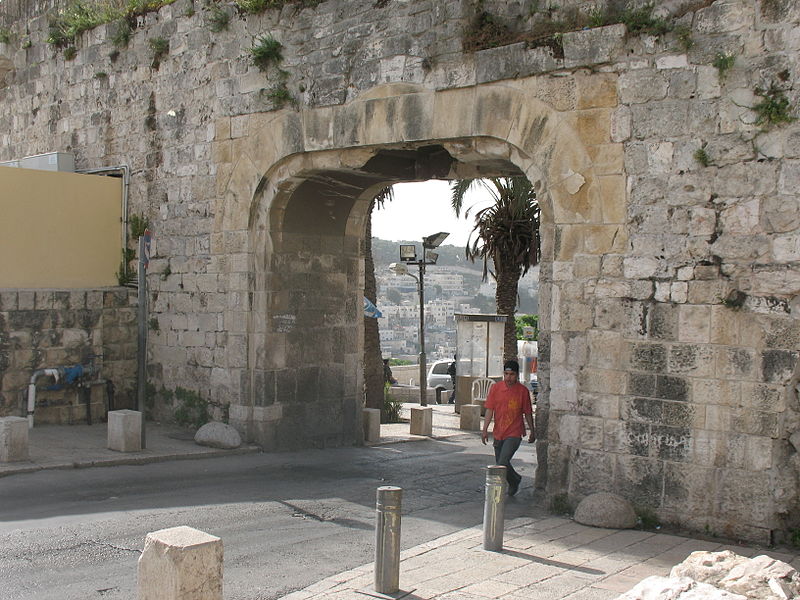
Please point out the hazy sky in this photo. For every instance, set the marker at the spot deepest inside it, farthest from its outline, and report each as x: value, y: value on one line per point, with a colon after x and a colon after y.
x: 420, y: 209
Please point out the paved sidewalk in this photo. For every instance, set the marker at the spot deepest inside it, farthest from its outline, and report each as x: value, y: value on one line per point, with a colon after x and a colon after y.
x: 446, y: 423
x: 545, y: 557
x: 80, y: 446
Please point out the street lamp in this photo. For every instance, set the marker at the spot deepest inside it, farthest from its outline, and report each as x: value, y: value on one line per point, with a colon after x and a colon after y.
x: 408, y: 256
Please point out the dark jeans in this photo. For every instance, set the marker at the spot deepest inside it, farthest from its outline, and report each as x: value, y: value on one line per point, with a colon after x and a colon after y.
x: 503, y: 452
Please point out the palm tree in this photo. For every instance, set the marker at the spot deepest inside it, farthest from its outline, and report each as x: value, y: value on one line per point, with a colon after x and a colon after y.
x: 507, y: 232
x: 373, y: 365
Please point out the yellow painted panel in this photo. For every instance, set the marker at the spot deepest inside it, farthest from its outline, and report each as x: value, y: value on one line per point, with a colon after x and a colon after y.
x: 59, y: 230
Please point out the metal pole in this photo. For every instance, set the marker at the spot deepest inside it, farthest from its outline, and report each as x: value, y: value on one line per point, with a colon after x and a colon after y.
x: 387, y: 539
x: 141, y: 375
x: 423, y: 366
x: 494, y: 508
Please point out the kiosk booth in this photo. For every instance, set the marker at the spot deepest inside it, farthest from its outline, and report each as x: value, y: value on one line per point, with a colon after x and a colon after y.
x: 479, y: 349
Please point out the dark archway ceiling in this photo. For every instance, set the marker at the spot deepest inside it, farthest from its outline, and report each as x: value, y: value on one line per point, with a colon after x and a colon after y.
x: 321, y: 204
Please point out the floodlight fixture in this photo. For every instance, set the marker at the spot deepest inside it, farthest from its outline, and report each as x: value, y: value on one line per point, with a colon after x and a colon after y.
x: 431, y: 257
x: 408, y: 252
x: 433, y: 241
x: 399, y: 268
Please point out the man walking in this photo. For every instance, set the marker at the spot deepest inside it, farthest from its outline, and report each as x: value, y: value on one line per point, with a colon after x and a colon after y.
x: 508, y: 403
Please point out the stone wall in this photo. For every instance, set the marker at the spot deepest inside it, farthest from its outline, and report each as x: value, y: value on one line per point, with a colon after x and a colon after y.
x: 44, y: 329
x: 671, y: 259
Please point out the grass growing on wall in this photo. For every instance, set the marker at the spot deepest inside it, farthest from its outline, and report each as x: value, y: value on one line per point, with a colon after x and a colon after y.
x: 83, y: 15
x: 488, y: 31
x: 259, y: 6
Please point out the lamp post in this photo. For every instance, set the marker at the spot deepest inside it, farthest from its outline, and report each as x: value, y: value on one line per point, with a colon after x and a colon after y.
x: 408, y: 256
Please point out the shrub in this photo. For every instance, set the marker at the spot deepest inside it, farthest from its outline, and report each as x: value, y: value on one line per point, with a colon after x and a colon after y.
x: 723, y: 62
x: 218, y: 19
x: 390, y: 411
x: 485, y: 31
x: 646, y: 518
x: 641, y: 20
x: 192, y: 410
x: 774, y: 108
x: 280, y: 96
x: 560, y: 504
x: 122, y: 34
x: 160, y: 48
x: 137, y: 225
x: 5, y: 35
x: 684, y: 36
x: 266, y: 52
x: 701, y: 156
x: 794, y: 537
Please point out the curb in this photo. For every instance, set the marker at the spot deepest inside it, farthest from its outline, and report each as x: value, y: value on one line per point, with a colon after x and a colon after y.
x: 130, y: 460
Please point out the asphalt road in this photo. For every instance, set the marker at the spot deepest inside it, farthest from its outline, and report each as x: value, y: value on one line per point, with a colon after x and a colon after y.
x: 286, y: 520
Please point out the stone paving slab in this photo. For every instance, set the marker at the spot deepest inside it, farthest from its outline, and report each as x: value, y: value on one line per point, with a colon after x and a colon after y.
x: 81, y: 446
x: 446, y: 424
x: 547, y: 558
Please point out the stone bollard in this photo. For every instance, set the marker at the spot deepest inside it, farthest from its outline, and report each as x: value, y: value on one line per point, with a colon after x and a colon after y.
x: 494, y: 508
x: 421, y: 421
x: 180, y: 563
x: 125, y: 430
x: 13, y: 439
x: 471, y: 417
x: 372, y: 424
x: 387, y: 539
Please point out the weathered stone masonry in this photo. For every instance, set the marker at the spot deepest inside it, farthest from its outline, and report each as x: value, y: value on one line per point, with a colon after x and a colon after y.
x: 669, y: 288
x: 51, y: 328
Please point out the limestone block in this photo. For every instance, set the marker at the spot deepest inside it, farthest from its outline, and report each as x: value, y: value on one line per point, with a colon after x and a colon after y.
x: 606, y: 510
x: 125, y: 430
x: 593, y: 46
x: 642, y: 86
x: 218, y: 435
x: 13, y: 439
x: 781, y: 214
x: 512, y: 61
x: 180, y: 563
x: 421, y: 421
x: 596, y: 90
x: 372, y: 424
x: 470, y: 417
x: 761, y: 577
x: 676, y: 588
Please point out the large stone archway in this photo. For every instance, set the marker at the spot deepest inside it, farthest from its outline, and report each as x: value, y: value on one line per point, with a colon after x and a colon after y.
x: 294, y: 189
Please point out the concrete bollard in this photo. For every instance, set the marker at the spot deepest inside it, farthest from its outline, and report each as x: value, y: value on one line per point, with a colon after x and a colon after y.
x: 471, y: 417
x: 180, y: 563
x: 494, y: 508
x: 421, y: 421
x: 13, y: 439
x: 387, y: 539
x: 372, y: 424
x: 125, y: 430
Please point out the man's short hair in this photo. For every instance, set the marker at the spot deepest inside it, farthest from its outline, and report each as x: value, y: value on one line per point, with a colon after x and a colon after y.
x: 511, y: 365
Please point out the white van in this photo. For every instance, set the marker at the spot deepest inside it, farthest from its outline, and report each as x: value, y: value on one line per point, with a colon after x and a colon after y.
x: 438, y: 377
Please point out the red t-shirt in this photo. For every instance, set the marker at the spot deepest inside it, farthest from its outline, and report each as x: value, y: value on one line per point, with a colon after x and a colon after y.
x: 509, y: 404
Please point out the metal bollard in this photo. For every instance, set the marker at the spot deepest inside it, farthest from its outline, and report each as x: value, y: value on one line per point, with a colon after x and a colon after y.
x: 494, y: 508
x: 387, y: 539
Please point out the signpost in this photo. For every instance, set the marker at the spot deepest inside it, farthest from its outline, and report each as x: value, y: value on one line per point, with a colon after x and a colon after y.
x: 141, y: 366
